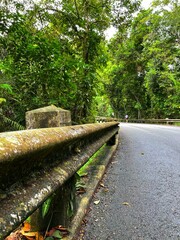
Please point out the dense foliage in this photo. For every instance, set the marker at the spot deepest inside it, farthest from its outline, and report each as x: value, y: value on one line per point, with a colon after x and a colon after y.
x: 51, y: 52
x: 55, y: 52
x: 145, y: 78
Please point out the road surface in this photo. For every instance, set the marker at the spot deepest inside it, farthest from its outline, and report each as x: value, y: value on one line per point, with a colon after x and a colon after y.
x: 139, y: 198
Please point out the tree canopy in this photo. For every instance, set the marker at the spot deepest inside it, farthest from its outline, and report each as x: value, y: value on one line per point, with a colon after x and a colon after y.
x: 144, y: 81
x: 55, y: 52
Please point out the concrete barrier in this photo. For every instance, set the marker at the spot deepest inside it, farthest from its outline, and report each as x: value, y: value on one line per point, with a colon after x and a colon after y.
x: 155, y: 121
x: 35, y: 163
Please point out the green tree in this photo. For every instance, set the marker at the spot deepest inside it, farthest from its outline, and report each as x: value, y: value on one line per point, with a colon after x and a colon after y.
x: 52, y: 52
x: 161, y: 54
x: 126, y: 88
x: 145, y: 79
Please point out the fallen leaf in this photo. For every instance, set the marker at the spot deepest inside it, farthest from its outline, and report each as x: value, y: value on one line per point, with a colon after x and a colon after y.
x: 106, y: 190
x: 57, y: 234
x: 96, y: 202
x: 101, y: 184
x: 64, y: 231
x: 50, y: 233
x: 41, y: 237
x: 126, y: 203
x: 26, y: 227
x: 31, y: 235
x: 85, y: 221
x: 81, y: 190
x: 16, y: 236
x: 114, y: 162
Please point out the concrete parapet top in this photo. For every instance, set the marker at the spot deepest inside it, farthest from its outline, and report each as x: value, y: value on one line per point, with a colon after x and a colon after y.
x: 50, y: 108
x: 29, y: 147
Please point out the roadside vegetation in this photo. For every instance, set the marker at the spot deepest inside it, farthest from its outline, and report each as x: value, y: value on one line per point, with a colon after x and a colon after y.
x: 55, y: 52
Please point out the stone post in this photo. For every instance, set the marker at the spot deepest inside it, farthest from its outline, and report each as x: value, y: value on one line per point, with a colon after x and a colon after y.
x: 48, y: 117
x: 60, y: 206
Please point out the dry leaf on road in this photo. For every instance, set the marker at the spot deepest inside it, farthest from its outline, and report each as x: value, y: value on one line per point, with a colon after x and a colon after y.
x: 126, y: 203
x: 96, y: 202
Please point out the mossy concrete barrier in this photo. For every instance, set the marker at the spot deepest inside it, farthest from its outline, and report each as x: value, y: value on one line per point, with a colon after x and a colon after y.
x: 58, y: 205
x: 50, y: 116
x: 152, y: 121
x: 35, y: 163
x: 106, y: 119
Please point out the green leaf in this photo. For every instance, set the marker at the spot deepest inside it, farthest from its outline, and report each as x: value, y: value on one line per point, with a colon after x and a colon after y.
x: 57, y: 234
x: 6, y: 87
x: 45, y: 207
x: 2, y: 100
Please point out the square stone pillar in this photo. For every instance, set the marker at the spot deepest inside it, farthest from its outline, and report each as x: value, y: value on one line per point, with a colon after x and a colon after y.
x: 61, y: 200
x: 50, y: 116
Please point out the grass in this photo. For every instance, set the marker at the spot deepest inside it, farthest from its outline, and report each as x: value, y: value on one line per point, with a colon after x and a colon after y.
x: 92, y: 161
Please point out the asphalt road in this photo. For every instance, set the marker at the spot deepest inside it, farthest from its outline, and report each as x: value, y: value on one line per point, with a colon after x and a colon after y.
x: 139, y: 198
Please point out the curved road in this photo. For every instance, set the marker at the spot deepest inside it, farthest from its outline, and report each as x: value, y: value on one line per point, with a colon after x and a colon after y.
x: 140, y: 195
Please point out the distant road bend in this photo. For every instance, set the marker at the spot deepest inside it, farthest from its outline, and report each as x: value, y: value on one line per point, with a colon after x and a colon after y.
x: 141, y: 197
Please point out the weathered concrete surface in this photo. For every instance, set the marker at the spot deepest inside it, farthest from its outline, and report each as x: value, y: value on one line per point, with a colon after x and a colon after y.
x: 140, y: 199
x: 23, y: 150
x: 94, y: 174
x: 58, y: 207
x: 71, y: 148
x: 50, y: 116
